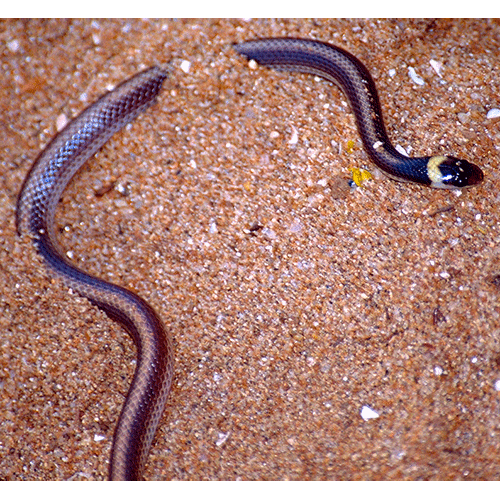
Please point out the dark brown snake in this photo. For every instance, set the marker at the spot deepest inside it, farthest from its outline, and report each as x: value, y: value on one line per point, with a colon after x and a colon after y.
x: 41, y: 192
x: 85, y: 135
x: 342, y: 68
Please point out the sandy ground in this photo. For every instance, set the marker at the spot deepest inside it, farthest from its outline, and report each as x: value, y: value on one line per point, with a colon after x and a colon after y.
x: 294, y: 301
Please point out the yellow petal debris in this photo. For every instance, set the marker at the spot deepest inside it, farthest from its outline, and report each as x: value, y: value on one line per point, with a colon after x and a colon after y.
x: 360, y: 175
x: 350, y: 147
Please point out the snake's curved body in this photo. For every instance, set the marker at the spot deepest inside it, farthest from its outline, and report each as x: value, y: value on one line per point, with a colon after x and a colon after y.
x: 342, y: 68
x: 41, y: 191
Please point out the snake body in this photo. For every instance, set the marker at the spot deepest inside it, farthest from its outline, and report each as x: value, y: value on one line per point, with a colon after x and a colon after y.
x: 342, y: 68
x: 83, y: 136
x: 41, y: 191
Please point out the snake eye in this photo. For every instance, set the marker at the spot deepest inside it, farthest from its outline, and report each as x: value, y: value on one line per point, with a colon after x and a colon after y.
x: 459, y: 173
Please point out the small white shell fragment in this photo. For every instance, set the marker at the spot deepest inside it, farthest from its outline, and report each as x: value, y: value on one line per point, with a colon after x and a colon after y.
x: 295, y: 136
x: 222, y: 439
x: 401, y: 150
x: 13, y: 45
x: 438, y: 370
x: 497, y: 385
x: 367, y: 413
x: 185, y: 66
x: 99, y: 437
x: 61, y: 121
x: 252, y: 64
x: 436, y: 66
x: 413, y: 75
x: 493, y: 113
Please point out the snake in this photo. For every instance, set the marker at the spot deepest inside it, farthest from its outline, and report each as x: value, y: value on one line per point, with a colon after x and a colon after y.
x: 84, y: 135
x: 35, y: 212
x: 345, y: 70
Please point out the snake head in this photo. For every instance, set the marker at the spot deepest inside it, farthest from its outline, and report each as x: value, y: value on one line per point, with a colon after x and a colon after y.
x: 451, y: 172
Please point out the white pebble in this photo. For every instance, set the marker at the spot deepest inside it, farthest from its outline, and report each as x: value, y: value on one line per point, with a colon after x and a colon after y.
x: 222, y: 439
x: 61, y: 121
x: 367, y: 413
x: 413, y: 75
x: 497, y: 385
x: 436, y: 66
x: 295, y: 136
x: 185, y: 66
x: 438, y: 370
x: 493, y: 113
x: 13, y: 45
x: 401, y: 150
